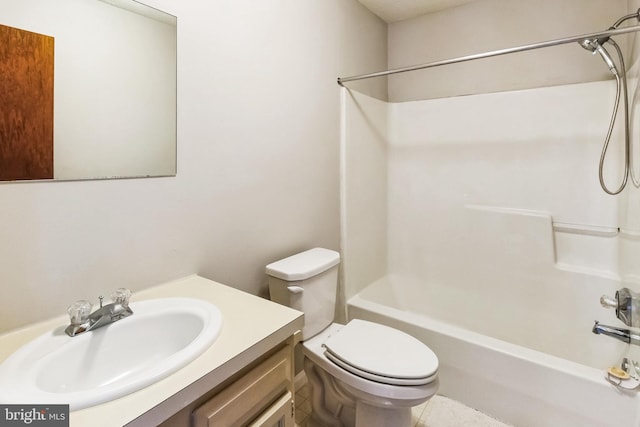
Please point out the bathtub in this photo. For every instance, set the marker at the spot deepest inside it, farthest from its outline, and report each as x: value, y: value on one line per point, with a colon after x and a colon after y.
x: 518, y: 385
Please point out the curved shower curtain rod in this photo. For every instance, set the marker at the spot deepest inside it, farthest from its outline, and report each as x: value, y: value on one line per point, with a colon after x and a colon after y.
x: 523, y: 48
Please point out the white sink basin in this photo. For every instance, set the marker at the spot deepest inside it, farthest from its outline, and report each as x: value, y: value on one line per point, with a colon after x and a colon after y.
x: 162, y: 336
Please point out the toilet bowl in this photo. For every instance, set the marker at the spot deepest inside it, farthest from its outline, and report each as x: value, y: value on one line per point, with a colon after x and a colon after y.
x: 367, y: 391
x: 362, y: 373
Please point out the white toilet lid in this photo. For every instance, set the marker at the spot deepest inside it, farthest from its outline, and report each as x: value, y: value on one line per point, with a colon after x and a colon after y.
x: 381, y: 353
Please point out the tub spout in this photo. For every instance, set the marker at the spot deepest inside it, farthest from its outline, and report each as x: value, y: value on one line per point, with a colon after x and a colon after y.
x: 624, y: 335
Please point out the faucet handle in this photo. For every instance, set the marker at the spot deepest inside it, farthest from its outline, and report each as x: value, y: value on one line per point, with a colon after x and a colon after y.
x: 79, y: 311
x: 121, y: 296
x: 608, y: 302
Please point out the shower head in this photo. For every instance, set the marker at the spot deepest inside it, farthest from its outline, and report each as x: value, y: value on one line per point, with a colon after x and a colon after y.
x: 592, y: 44
x: 596, y: 46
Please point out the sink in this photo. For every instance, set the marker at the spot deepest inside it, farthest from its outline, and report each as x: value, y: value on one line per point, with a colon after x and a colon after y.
x: 162, y: 336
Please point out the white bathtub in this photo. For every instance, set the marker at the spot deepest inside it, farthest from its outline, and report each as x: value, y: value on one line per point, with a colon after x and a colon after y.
x: 513, y: 383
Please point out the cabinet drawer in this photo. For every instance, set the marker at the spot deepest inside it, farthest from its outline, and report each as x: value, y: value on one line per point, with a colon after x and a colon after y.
x: 249, y: 396
x: 280, y: 414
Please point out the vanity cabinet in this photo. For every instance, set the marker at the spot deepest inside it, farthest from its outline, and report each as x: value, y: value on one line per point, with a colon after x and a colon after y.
x: 245, y: 378
x: 260, y: 398
x: 259, y: 395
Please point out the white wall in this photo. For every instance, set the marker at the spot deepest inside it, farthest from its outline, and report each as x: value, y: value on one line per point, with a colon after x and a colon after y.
x: 487, y: 25
x: 258, y: 131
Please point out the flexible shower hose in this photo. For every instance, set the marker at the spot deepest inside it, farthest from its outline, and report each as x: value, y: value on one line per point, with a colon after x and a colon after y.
x: 621, y: 89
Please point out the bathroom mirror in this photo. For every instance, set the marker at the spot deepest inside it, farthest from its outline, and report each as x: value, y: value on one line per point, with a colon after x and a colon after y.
x: 108, y: 107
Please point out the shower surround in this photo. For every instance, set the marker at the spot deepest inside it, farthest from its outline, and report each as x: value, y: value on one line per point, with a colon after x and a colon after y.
x: 477, y: 224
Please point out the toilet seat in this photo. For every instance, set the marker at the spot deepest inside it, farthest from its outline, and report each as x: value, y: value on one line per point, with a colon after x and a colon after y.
x: 315, y: 352
x: 382, y: 354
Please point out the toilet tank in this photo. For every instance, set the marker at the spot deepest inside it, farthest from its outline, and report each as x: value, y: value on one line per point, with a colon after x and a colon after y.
x: 307, y: 282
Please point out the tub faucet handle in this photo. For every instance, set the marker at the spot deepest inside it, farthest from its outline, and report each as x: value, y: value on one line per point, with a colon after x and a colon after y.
x: 608, y: 302
x: 627, y: 306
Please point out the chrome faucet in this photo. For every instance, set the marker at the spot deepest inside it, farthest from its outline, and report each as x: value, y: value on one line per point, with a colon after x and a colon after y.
x: 83, y: 320
x: 624, y: 335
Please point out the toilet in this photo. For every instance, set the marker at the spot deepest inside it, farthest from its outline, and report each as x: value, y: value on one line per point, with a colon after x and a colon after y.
x: 360, y: 374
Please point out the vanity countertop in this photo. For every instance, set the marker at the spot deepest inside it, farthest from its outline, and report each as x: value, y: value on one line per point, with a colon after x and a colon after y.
x: 252, y: 326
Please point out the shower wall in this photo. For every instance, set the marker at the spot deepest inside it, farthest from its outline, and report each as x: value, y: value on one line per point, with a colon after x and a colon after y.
x: 507, y: 180
x: 363, y: 188
x: 502, y: 182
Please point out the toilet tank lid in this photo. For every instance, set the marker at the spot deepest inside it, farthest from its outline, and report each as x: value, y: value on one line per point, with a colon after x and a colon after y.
x: 303, y: 265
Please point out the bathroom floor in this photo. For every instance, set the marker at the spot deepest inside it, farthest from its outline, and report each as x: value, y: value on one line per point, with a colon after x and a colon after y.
x: 439, y: 411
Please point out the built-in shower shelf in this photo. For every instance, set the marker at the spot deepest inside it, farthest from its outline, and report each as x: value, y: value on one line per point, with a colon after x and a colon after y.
x: 586, y: 229
x: 513, y: 234
x: 630, y: 234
